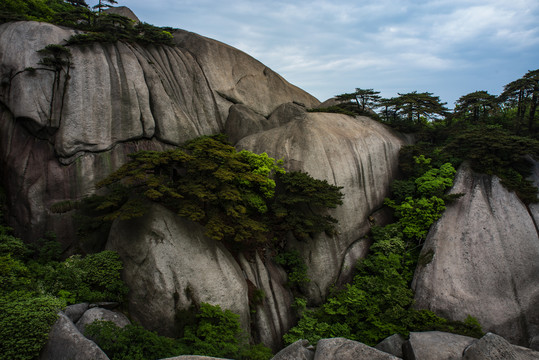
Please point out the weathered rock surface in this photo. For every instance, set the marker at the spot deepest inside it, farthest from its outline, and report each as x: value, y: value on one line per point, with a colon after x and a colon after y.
x: 75, y: 312
x: 297, y: 351
x: 392, y: 345
x: 435, y: 345
x: 274, y: 315
x: 344, y: 349
x: 67, y: 343
x: 237, y: 78
x: 100, y: 314
x: 491, y: 347
x: 360, y: 155
x: 483, y: 260
x: 169, y: 264
x: 123, y: 11
x: 56, y: 142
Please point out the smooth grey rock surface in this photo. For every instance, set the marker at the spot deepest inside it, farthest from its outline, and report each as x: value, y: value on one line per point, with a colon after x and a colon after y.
x: 359, y: 154
x: 491, y: 347
x: 74, y: 312
x: 242, y: 121
x: 67, y: 343
x: 236, y: 77
x: 169, y: 264
x: 123, y: 11
x: 295, y: 351
x: 484, y: 254
x: 392, y: 345
x: 274, y: 316
x: 101, y: 314
x: 435, y: 345
x: 344, y: 349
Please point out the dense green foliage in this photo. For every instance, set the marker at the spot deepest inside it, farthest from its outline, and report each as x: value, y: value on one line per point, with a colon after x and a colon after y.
x: 295, y: 267
x: 240, y: 197
x: 214, y: 333
x: 378, y: 302
x: 25, y: 321
x: 35, y: 285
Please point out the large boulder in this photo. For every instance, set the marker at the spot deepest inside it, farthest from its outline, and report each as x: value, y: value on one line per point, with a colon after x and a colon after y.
x: 169, y: 265
x: 359, y: 154
x: 100, y: 314
x: 494, y: 347
x: 67, y: 343
x: 300, y: 350
x: 435, y: 345
x: 344, y: 349
x: 480, y: 259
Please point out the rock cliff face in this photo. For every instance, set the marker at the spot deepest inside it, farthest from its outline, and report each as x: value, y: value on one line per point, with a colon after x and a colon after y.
x: 480, y: 259
x: 358, y: 154
x: 58, y: 138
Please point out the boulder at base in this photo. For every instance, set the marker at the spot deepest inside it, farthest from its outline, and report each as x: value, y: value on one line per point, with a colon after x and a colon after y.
x: 344, y: 349
x: 67, y: 343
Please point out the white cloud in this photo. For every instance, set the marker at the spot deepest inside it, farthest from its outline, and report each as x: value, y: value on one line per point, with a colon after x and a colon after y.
x: 395, y: 43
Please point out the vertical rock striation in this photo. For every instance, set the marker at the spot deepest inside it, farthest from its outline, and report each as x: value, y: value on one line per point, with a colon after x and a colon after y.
x: 480, y: 259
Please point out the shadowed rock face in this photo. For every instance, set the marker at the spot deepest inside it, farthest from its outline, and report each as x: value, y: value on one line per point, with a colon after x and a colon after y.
x: 484, y: 253
x: 358, y: 154
x: 170, y: 265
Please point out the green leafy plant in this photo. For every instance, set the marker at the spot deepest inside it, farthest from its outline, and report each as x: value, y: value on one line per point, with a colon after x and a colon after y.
x: 214, y: 332
x: 295, y: 268
x: 240, y: 197
x: 25, y: 321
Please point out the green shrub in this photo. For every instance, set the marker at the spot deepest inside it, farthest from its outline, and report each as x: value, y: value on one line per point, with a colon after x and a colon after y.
x: 295, y: 267
x: 93, y: 278
x: 25, y: 322
x: 214, y: 333
x: 132, y: 342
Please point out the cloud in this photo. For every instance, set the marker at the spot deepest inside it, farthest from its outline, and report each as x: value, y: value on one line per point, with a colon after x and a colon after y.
x: 329, y: 47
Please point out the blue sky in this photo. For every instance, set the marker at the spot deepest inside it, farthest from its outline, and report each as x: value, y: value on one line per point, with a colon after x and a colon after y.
x: 447, y: 47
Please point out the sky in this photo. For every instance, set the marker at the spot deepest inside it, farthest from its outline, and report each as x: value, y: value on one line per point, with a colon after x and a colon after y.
x: 328, y: 47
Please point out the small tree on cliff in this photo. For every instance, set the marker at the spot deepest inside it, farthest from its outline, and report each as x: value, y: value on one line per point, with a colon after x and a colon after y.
x: 241, y: 198
x: 103, y: 4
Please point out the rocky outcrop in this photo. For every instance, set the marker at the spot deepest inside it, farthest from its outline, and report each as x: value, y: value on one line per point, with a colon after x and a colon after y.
x: 100, y: 314
x: 392, y: 345
x: 340, y: 348
x: 236, y: 78
x: 300, y: 350
x: 66, y: 343
x: 480, y: 259
x: 360, y: 155
x: 169, y: 265
x: 59, y: 137
x: 435, y: 345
